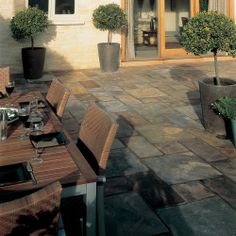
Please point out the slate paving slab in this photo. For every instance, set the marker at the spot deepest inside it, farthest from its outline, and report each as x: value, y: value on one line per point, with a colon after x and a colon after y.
x: 162, y: 133
x: 209, y: 217
x: 179, y: 168
x: 171, y: 147
x: 141, y: 147
x: 125, y: 129
x: 227, y: 167
x: 118, y: 185
x: 122, y: 162
x: 132, y: 118
x: 89, y: 84
x: 224, y: 187
x: 154, y: 191
x: 127, y: 214
x: 117, y: 144
x: 193, y: 112
x: 203, y: 150
x: 146, y: 92
x: 193, y: 191
x: 182, y: 120
x: 114, y: 106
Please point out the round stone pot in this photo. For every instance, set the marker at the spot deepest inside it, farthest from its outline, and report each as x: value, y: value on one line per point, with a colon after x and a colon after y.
x: 209, y: 93
x: 109, y: 56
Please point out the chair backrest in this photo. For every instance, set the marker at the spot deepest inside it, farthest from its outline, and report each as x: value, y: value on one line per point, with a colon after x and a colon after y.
x: 58, y: 96
x: 34, y: 214
x: 96, y: 135
x: 4, y: 78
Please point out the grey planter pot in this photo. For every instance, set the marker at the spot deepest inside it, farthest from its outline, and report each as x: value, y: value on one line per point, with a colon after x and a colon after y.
x: 109, y: 56
x: 233, y: 132
x: 33, y: 62
x: 208, y: 94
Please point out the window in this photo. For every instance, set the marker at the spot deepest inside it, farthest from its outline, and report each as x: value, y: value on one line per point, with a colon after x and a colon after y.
x: 59, y: 11
x: 64, y: 7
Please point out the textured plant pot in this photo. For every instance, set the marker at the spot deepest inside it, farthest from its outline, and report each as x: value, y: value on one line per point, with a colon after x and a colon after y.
x: 33, y: 62
x: 233, y: 132
x: 209, y: 93
x: 109, y: 56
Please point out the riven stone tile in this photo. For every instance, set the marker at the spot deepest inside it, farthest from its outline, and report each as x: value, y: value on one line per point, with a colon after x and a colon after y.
x: 89, y: 84
x: 141, y: 147
x: 154, y: 191
x: 132, y: 118
x: 180, y: 168
x: 171, y: 147
x: 224, y: 187
x: 193, y: 191
x: 117, y: 144
x: 117, y: 185
x: 203, y: 150
x: 162, y: 133
x: 127, y: 214
x: 209, y: 217
x: 114, y: 106
x: 122, y: 162
x: 124, y: 128
x: 146, y: 92
x: 182, y: 120
x: 193, y: 112
x: 227, y: 168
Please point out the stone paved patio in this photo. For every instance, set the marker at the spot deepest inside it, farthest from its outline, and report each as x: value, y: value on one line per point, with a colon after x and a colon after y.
x: 166, y: 174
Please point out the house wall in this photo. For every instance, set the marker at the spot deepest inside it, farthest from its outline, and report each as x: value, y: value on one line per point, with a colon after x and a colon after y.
x: 71, y: 46
x: 235, y: 11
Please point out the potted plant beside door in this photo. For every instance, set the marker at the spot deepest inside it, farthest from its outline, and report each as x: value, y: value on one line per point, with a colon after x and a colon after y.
x: 26, y: 24
x: 111, y: 18
x: 211, y: 32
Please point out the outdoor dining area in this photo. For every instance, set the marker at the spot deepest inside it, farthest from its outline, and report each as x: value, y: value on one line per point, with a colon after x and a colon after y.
x: 40, y: 164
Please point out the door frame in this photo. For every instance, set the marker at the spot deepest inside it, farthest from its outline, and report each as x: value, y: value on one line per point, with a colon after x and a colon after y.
x: 162, y: 51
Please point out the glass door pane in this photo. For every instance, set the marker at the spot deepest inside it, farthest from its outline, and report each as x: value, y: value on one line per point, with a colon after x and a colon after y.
x: 145, y: 28
x: 176, y: 14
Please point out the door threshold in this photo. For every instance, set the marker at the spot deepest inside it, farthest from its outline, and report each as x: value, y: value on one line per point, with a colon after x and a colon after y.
x: 180, y: 60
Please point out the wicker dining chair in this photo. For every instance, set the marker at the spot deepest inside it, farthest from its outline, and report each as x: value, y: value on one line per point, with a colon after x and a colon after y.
x: 34, y: 214
x: 58, y: 96
x: 4, y: 78
x: 96, y: 135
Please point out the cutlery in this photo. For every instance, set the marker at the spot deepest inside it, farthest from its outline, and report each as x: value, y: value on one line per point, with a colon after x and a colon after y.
x: 31, y: 172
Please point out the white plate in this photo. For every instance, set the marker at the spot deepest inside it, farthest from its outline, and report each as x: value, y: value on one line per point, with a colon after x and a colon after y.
x: 12, y: 114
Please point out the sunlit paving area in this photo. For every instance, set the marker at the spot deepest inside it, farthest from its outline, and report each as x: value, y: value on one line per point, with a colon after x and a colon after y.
x: 166, y: 175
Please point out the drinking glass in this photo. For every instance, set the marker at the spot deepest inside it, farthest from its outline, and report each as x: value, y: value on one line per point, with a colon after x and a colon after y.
x: 36, y: 132
x: 34, y: 103
x: 10, y: 87
x: 23, y: 114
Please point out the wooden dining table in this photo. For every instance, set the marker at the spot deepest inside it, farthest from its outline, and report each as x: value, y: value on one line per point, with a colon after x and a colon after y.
x: 63, y: 162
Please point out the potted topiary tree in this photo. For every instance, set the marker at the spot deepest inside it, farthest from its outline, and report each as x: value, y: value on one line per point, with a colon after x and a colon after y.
x: 111, y: 18
x: 26, y: 24
x: 211, y: 32
x: 226, y: 107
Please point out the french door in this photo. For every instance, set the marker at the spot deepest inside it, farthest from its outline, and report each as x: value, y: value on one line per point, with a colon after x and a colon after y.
x: 154, y: 25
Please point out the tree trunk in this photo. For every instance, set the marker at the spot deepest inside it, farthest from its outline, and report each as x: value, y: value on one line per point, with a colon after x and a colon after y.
x: 216, y: 68
x: 109, y: 37
x: 32, y: 42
